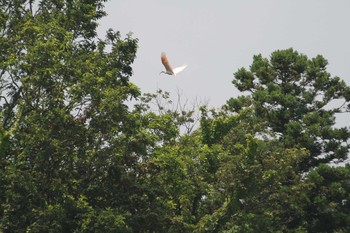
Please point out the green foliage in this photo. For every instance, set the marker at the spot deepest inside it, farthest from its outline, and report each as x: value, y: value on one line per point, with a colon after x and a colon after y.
x: 64, y: 117
x: 328, y: 210
x: 272, y: 136
x: 76, y: 155
x: 256, y: 186
x: 289, y: 92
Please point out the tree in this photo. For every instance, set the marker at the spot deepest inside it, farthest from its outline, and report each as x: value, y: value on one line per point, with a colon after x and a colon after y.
x: 276, y: 140
x: 77, y: 156
x: 328, y: 208
x: 66, y: 131
x: 292, y: 95
x: 258, y: 186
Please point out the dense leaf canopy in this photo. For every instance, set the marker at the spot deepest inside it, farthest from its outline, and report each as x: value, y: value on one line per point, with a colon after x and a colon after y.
x: 83, y: 150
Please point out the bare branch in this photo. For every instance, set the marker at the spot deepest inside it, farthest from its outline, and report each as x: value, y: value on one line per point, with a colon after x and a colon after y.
x: 11, y: 106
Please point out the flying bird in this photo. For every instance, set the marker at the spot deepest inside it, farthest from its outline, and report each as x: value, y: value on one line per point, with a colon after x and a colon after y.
x: 168, y: 69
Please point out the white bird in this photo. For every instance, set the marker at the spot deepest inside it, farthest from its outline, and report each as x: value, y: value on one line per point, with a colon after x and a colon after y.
x: 168, y: 69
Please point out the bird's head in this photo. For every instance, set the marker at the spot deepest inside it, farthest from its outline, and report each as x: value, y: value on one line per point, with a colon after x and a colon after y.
x: 167, y: 72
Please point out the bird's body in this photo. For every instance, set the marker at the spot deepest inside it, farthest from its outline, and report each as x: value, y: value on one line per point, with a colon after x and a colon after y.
x: 168, y: 69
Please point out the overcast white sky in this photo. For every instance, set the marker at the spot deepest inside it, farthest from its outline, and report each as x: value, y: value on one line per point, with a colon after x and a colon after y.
x: 216, y: 38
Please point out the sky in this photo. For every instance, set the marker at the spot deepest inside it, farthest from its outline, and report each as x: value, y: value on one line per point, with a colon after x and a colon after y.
x: 216, y: 38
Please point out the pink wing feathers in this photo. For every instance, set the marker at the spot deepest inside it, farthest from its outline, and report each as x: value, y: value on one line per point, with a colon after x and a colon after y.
x: 166, y: 63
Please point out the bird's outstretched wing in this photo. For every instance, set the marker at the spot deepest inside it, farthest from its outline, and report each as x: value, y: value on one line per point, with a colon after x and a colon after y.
x: 179, y: 69
x: 166, y: 63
